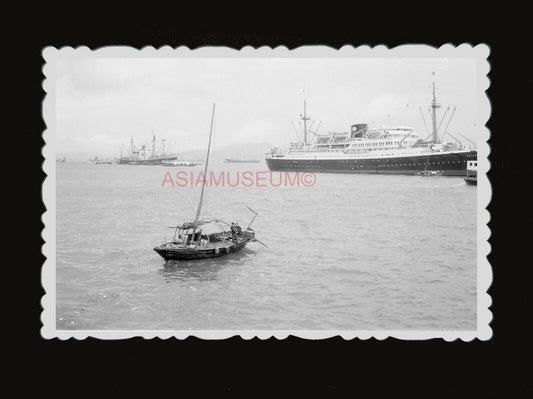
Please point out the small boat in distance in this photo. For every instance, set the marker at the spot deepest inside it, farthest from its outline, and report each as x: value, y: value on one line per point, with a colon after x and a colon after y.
x: 203, y: 239
x: 230, y: 160
x: 471, y: 173
x: 102, y: 161
x: 188, y: 164
x: 427, y: 172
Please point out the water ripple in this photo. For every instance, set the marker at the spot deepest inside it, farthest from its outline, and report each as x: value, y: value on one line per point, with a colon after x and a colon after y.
x: 352, y: 252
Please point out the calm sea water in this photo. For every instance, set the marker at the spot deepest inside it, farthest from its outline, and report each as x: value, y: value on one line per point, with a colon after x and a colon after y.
x: 351, y: 252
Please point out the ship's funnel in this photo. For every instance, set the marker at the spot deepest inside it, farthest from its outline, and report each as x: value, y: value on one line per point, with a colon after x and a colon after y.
x: 359, y: 129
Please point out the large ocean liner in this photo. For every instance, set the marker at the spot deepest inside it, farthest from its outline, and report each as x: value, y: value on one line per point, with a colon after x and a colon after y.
x: 395, y: 150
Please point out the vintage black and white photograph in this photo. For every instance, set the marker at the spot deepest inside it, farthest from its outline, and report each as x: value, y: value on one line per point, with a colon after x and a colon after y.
x: 312, y: 192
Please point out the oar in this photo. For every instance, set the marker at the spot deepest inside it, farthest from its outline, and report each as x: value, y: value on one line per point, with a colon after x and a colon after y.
x: 251, y: 209
x: 221, y: 221
x: 255, y: 215
x: 255, y: 239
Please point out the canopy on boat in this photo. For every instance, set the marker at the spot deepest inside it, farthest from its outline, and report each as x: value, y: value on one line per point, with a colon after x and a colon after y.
x: 213, y: 228
x: 207, y: 227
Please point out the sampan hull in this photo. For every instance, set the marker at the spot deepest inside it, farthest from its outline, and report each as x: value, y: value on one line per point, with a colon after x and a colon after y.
x: 170, y: 253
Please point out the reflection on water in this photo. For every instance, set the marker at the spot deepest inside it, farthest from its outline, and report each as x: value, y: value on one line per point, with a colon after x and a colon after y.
x: 202, y: 269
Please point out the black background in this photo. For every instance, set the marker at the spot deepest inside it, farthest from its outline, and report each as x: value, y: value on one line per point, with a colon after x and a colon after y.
x: 501, y: 365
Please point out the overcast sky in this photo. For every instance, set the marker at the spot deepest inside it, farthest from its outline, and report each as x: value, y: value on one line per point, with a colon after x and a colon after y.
x: 101, y: 103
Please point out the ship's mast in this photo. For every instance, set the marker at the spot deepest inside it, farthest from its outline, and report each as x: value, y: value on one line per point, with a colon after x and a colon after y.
x: 153, y: 143
x: 198, y: 211
x: 131, y: 146
x: 305, y: 118
x: 434, y: 106
x: 305, y: 122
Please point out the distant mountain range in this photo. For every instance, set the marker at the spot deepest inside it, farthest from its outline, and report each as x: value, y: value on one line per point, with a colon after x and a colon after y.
x: 248, y: 151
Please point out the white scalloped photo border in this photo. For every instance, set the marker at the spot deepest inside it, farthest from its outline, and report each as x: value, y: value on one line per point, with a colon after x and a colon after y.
x: 484, y: 192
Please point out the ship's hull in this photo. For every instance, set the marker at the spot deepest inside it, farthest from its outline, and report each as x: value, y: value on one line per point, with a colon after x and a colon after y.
x: 149, y: 161
x: 200, y: 253
x: 447, y: 164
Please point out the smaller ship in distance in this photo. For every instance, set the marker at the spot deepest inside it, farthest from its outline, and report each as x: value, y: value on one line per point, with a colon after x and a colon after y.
x: 145, y: 154
x: 471, y: 173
